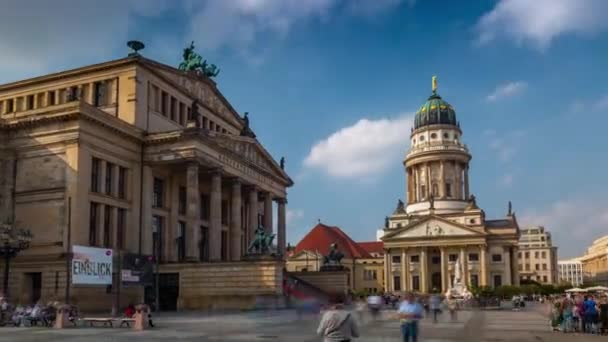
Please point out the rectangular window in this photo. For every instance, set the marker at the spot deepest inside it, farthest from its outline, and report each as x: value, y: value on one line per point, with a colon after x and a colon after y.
x: 173, y: 108
x: 224, y: 245
x: 448, y: 190
x: 181, y: 205
x: 182, y: 115
x: 205, y: 203
x: 163, y: 103
x: 30, y: 102
x: 544, y: 254
x: 415, y: 258
x: 99, y: 95
x: 205, y: 123
x: 536, y: 255
x: 453, y: 257
x: 94, y: 211
x: 122, y: 182
x: 109, y: 177
x: 396, y: 259
x: 416, y: 283
x: 157, y: 200
x: 544, y: 279
x: 435, y: 260
x: 107, y: 227
x: 527, y: 255
x: 397, y: 283
x: 496, y: 258
x: 204, y: 244
x: 157, y: 237
x: 121, y: 222
x: 537, y: 267
x: 519, y: 255
x: 527, y: 267
x: 474, y: 280
x: 544, y: 267
x: 497, y: 281
x: 225, y: 212
x: 374, y: 275
x: 521, y: 267
x: 473, y: 257
x: 181, y: 240
x: 10, y: 105
x: 51, y: 98
x: 95, y: 167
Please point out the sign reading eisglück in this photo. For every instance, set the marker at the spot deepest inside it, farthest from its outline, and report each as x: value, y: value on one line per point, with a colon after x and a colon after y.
x: 137, y: 270
x: 91, y: 266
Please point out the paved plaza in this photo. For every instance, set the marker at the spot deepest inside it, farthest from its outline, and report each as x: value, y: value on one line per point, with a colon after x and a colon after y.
x: 494, y: 326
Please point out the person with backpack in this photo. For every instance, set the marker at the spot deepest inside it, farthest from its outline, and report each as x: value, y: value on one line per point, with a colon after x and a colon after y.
x: 337, y: 324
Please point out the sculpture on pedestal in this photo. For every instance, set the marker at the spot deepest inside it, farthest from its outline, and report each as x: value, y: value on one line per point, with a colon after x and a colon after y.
x: 332, y: 261
x: 262, y: 242
x: 194, y: 62
x: 458, y: 288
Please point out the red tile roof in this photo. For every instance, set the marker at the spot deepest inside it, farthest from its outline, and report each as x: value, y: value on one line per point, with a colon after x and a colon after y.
x: 322, y: 236
x: 373, y: 247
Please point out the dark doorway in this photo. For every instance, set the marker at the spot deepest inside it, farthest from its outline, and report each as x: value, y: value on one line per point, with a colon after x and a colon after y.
x: 168, y: 291
x: 436, y: 281
x: 34, y: 282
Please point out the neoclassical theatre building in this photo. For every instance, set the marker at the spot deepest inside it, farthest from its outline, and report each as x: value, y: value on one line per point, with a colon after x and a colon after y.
x: 140, y: 157
x: 440, y: 222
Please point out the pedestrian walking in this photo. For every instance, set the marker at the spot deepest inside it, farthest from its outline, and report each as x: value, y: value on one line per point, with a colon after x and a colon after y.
x: 435, y: 304
x: 409, y: 313
x: 337, y: 324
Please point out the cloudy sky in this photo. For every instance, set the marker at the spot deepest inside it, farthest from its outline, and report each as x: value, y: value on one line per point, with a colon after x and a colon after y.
x: 332, y: 85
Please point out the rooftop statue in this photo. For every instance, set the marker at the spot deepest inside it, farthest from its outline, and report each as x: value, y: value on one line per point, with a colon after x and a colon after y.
x: 282, y: 163
x: 334, y: 257
x: 262, y: 242
x: 194, y: 62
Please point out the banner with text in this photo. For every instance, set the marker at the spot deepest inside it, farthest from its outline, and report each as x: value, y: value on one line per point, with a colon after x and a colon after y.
x: 91, y: 266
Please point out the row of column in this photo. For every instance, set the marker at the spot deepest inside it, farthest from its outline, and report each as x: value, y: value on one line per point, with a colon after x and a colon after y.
x: 422, y: 272
x: 235, y: 223
x: 415, y: 193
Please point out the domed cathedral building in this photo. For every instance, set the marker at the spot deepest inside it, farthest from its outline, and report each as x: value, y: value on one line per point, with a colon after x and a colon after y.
x: 440, y: 224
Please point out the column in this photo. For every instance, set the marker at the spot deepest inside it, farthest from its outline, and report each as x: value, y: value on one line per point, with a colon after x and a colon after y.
x: 253, y: 214
x: 463, y: 262
x: 515, y: 267
x: 193, y: 207
x: 146, y: 216
x: 424, y: 287
x: 507, y: 271
x: 215, y: 220
x: 416, y: 184
x: 387, y: 271
x: 235, y: 222
x: 90, y: 93
x: 458, y: 181
x: 172, y: 227
x: 408, y: 187
x: 268, y: 212
x: 429, y: 191
x: 466, y: 182
x: 281, y: 226
x: 404, y: 273
x: 484, y: 266
x: 442, y: 193
x: 444, y: 271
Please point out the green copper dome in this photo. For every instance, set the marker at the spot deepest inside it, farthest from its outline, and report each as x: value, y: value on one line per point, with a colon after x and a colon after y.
x: 435, y: 111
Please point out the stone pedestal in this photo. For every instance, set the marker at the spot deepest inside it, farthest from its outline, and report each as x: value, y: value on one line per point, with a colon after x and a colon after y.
x: 141, y: 317
x: 63, y: 313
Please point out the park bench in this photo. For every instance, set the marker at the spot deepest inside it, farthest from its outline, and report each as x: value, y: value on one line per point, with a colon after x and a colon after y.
x: 107, y: 321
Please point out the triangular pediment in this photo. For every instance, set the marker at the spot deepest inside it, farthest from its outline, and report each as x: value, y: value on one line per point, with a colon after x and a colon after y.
x: 201, y: 88
x: 431, y: 227
x: 252, y: 151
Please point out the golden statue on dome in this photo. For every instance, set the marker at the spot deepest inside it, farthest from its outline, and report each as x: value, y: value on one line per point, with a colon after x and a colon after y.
x: 434, y: 84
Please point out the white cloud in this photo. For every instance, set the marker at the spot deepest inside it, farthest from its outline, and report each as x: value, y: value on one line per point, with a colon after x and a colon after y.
x: 504, y: 145
x: 574, y: 222
x: 507, y: 90
x: 364, y: 149
x: 540, y: 21
x: 601, y: 103
x: 506, y: 180
x: 37, y: 35
x: 293, y: 215
x: 240, y: 23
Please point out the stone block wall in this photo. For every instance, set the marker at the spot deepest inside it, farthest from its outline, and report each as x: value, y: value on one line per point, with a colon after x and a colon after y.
x: 329, y: 282
x: 229, y: 285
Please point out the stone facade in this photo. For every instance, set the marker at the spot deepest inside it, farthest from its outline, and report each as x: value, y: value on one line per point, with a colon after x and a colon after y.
x: 595, y: 262
x: 440, y: 221
x: 136, y: 156
x: 570, y: 272
x: 537, y: 256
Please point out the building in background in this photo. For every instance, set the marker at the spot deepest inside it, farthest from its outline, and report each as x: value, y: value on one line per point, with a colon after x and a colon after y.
x: 440, y: 223
x: 154, y: 160
x: 595, y: 262
x: 363, y: 260
x: 537, y: 257
x: 570, y: 272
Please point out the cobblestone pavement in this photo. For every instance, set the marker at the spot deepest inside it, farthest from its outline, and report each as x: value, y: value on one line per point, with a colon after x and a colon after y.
x: 490, y: 326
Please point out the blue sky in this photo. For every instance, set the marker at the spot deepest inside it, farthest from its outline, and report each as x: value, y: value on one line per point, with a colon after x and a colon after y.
x: 332, y: 85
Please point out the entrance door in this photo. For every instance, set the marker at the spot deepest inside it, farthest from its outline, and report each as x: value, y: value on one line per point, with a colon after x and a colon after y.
x: 436, y: 281
x: 34, y: 280
x: 168, y: 291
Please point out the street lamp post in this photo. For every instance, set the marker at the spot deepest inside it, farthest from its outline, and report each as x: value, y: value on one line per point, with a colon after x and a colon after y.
x: 12, y: 241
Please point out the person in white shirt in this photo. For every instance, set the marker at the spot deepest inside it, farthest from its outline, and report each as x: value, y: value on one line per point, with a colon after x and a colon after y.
x: 409, y: 313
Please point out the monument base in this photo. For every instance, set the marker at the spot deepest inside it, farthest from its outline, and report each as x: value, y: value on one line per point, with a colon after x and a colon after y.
x: 331, y: 268
x: 261, y: 257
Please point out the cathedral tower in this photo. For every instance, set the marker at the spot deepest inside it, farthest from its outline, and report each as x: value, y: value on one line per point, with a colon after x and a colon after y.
x: 437, y: 164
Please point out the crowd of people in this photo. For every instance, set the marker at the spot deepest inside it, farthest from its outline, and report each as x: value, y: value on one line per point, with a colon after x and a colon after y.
x: 584, y: 313
x: 31, y: 315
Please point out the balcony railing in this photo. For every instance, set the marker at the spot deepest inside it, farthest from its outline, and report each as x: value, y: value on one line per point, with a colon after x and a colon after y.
x: 438, y: 146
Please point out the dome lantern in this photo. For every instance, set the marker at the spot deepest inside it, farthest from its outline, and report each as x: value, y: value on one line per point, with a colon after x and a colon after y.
x: 435, y: 111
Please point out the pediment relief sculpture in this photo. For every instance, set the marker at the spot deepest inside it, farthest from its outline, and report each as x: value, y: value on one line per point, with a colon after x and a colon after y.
x: 247, y: 150
x: 433, y: 228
